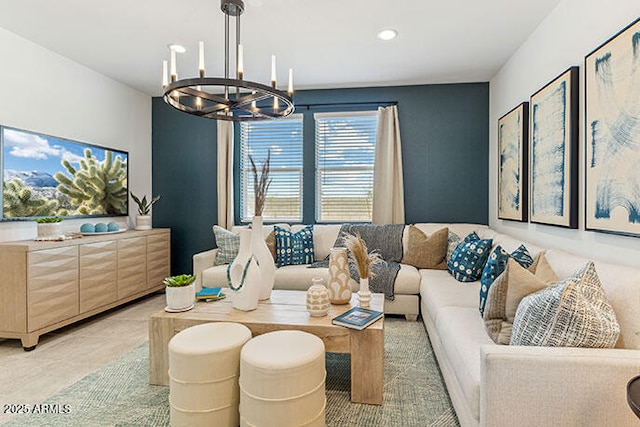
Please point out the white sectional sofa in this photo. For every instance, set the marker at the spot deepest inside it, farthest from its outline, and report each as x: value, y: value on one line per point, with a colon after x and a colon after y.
x: 499, y: 385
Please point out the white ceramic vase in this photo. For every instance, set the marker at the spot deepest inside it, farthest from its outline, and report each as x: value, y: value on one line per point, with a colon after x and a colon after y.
x: 143, y: 222
x: 244, y: 276
x: 262, y: 255
x: 339, y: 285
x: 317, y: 298
x: 364, y: 295
x: 180, y: 297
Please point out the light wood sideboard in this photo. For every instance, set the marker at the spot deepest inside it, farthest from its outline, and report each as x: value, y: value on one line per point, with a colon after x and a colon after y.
x: 48, y: 285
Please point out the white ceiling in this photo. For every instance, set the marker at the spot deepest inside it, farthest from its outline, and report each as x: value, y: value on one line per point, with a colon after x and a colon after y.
x: 328, y: 43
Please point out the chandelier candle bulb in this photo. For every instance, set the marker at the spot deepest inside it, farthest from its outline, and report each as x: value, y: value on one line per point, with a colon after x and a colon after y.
x: 174, y: 74
x: 273, y: 71
x: 290, y: 90
x: 240, y: 61
x: 201, y: 58
x: 165, y: 72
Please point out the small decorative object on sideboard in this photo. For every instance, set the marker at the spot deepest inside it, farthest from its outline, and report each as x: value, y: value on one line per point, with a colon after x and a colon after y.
x: 143, y: 219
x: 357, y: 318
x: 49, y: 227
x: 89, y: 229
x: 317, y: 298
x: 180, y: 292
x: 364, y: 261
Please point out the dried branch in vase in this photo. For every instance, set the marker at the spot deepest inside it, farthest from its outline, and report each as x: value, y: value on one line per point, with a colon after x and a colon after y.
x: 261, y: 183
x: 363, y: 259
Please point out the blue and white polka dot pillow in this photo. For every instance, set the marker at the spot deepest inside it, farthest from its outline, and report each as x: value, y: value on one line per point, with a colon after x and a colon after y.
x: 294, y: 248
x: 496, y: 264
x: 468, y: 259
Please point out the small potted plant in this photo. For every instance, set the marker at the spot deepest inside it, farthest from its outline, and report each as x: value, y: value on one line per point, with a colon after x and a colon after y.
x: 180, y: 292
x: 143, y: 219
x: 49, y: 226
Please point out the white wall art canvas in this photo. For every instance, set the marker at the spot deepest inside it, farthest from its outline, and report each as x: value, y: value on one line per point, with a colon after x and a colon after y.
x: 554, y: 152
x: 612, y: 130
x: 513, y: 130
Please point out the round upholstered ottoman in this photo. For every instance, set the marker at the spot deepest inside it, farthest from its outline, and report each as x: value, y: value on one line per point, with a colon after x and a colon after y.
x: 282, y: 377
x: 204, y: 364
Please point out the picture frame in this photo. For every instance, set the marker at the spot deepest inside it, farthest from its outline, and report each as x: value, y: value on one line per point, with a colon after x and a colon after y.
x: 513, y: 136
x: 553, y: 155
x: 612, y: 158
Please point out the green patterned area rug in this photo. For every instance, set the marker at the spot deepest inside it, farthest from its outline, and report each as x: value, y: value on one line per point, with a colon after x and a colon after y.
x: 119, y: 393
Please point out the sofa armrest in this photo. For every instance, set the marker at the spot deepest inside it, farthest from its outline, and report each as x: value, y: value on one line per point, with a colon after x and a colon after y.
x: 535, y: 386
x: 202, y: 261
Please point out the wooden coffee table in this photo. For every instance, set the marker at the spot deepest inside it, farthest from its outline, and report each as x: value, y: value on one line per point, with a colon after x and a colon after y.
x: 284, y: 310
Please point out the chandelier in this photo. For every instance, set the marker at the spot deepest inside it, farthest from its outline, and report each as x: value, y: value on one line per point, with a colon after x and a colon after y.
x: 233, y: 99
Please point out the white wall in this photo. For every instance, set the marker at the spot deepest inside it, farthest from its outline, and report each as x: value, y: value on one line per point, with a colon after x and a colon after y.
x: 50, y: 94
x: 572, y: 30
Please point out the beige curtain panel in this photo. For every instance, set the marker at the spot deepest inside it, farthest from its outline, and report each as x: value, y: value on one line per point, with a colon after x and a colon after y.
x: 225, y: 174
x: 388, y: 186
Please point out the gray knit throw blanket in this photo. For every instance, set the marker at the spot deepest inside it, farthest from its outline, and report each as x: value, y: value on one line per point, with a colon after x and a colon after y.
x: 387, y: 240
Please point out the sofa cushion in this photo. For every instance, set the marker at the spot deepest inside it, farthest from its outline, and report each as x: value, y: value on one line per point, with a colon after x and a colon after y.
x: 228, y: 244
x: 215, y: 277
x: 324, y: 236
x: 506, y: 292
x: 438, y: 289
x: 424, y: 251
x: 407, y: 281
x: 298, y: 277
x: 496, y: 264
x: 462, y: 335
x: 571, y: 313
x: 294, y: 248
x: 468, y: 259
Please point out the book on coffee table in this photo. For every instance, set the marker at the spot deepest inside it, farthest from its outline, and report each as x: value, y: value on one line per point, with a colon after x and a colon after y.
x: 210, y: 294
x: 357, y: 318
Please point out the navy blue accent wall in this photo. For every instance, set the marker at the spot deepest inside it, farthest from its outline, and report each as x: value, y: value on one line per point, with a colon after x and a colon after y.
x: 184, y: 171
x: 445, y: 146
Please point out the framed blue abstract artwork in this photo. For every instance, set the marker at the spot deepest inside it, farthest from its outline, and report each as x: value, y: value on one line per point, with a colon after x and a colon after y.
x: 554, y: 152
x: 513, y: 136
x: 612, y: 130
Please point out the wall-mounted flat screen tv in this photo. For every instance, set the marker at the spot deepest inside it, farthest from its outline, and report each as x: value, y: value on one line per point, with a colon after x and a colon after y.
x: 49, y: 176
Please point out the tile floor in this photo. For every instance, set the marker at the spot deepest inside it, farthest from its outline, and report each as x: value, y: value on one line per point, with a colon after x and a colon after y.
x: 66, y: 355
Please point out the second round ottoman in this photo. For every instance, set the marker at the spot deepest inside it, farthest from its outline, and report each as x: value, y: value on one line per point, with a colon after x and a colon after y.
x: 282, y: 379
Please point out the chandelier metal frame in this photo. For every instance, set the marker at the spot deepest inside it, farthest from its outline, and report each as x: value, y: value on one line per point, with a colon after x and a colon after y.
x: 230, y: 99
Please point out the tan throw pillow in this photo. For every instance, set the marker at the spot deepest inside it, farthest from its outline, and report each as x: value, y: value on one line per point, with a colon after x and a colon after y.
x: 270, y: 240
x: 426, y: 252
x: 571, y: 313
x: 506, y: 292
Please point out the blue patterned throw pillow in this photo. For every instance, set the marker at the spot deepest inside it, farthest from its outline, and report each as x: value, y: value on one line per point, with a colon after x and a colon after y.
x: 294, y: 248
x: 496, y: 264
x: 468, y: 259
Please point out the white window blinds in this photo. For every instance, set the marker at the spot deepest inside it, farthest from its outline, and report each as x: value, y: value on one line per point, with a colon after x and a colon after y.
x: 345, y: 152
x: 283, y: 138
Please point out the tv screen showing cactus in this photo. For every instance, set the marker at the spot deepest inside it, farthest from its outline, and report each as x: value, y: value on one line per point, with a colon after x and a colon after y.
x: 49, y: 176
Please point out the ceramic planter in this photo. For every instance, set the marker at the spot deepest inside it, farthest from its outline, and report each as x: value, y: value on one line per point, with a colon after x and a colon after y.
x: 181, y: 297
x: 143, y: 222
x: 49, y: 229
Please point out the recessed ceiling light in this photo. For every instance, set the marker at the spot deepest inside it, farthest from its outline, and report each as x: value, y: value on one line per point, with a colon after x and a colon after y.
x: 388, y: 34
x: 177, y: 48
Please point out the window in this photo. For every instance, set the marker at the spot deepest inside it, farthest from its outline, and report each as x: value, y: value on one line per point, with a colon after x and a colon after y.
x: 283, y: 138
x: 345, y: 152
